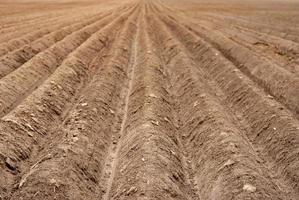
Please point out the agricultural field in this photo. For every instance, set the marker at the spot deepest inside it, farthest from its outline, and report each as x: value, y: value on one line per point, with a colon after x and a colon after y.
x: 149, y: 100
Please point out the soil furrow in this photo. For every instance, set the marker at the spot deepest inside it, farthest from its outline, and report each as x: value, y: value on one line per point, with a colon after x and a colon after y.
x: 19, y: 84
x: 236, y: 22
x: 168, y: 57
x: 29, y: 19
x: 15, y: 21
x: 278, y: 82
x: 51, y: 27
x: 85, y: 119
x: 14, y: 33
x: 28, y: 125
x: 111, y: 160
x: 17, y: 37
x: 199, y: 111
x: 148, y: 145
x: 281, y: 51
x: 275, y: 80
x: 43, y: 25
x: 247, y: 101
x: 29, y: 39
x: 37, y: 19
x: 149, y: 99
x: 285, y: 34
x: 17, y: 58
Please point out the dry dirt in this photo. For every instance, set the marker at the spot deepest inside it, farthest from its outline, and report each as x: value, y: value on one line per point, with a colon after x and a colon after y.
x: 149, y: 99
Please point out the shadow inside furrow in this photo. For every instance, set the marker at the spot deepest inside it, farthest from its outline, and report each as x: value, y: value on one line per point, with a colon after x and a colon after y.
x: 265, y: 123
x: 71, y: 161
x: 28, y: 127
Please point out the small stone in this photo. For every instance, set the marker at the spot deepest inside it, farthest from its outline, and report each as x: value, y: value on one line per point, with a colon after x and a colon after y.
x: 112, y: 111
x: 166, y: 119
x: 195, y: 103
x: 155, y: 122
x: 249, y: 188
x: 30, y: 134
x: 152, y: 95
x: 52, y: 181
x: 75, y: 134
x: 143, y: 159
x: 132, y: 190
x: 35, y: 119
x: 270, y: 97
x: 228, y: 163
x: 10, y: 163
x: 30, y: 127
x: 274, y: 129
x: 202, y: 95
x: 84, y: 104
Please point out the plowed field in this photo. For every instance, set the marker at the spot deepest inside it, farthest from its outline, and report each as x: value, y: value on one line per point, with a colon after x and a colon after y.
x: 149, y: 99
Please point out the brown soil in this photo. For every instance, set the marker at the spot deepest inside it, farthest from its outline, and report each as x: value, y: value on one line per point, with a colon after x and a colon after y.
x: 149, y: 99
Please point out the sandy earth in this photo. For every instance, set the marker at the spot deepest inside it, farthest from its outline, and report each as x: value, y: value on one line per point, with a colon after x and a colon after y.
x: 149, y: 100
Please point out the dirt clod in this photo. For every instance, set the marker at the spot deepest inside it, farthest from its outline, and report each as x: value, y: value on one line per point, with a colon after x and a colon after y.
x: 249, y: 188
x: 11, y: 164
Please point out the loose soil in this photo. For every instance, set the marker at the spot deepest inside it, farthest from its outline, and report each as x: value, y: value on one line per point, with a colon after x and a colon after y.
x: 149, y: 99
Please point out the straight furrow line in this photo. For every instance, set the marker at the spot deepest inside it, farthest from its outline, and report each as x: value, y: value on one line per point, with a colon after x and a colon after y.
x: 79, y: 145
x: 283, y: 52
x: 247, y: 102
x: 113, y: 152
x: 149, y: 164
x: 15, y: 59
x: 28, y: 125
x: 276, y: 81
x: 19, y: 84
x: 200, y: 112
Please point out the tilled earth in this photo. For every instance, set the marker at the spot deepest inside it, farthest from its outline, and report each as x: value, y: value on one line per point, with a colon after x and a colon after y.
x: 149, y: 99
